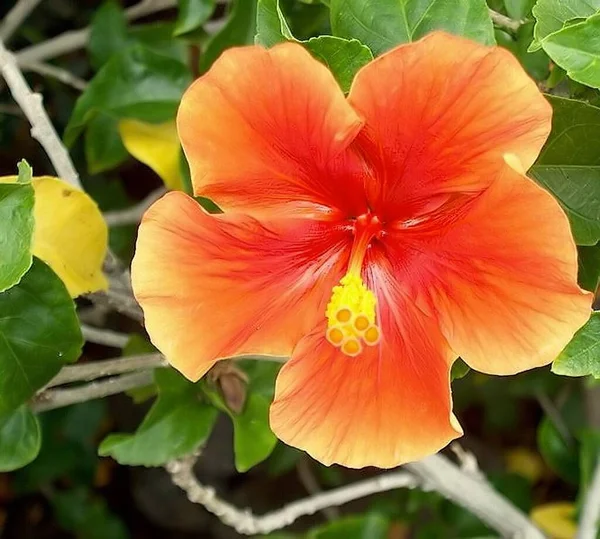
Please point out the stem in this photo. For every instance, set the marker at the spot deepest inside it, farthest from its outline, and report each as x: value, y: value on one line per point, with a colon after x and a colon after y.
x: 133, y: 215
x: 54, y: 72
x: 14, y: 18
x: 588, y: 528
x: 504, y: 22
x: 107, y: 337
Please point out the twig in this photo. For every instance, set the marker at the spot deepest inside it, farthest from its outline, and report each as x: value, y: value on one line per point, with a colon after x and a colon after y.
x: 54, y: 72
x: 504, y: 22
x: 76, y: 39
x: 310, y: 483
x: 41, y: 127
x: 590, y: 517
x: 106, y: 337
x: 476, y: 495
x: 14, y: 18
x: 107, y: 367
x: 133, y: 215
x: 245, y: 522
x: 555, y: 416
x: 50, y: 399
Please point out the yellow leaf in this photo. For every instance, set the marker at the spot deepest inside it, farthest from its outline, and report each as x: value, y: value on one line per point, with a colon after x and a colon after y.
x: 155, y: 145
x: 70, y: 234
x: 525, y: 463
x: 556, y: 519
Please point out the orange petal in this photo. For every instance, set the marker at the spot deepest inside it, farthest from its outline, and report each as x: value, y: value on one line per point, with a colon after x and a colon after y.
x: 266, y: 130
x: 389, y: 405
x: 213, y: 286
x: 503, y: 277
x: 436, y: 109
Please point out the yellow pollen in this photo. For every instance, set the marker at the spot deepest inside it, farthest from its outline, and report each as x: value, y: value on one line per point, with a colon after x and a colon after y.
x: 351, y: 316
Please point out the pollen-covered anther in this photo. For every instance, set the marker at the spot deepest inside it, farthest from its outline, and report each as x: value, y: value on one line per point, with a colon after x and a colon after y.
x: 351, y: 316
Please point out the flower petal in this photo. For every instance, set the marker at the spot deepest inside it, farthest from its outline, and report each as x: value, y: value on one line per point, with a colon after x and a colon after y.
x: 436, y: 109
x: 502, y: 277
x: 213, y: 286
x: 266, y: 130
x: 389, y: 405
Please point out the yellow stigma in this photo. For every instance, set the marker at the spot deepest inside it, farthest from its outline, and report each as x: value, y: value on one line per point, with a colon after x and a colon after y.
x: 351, y: 316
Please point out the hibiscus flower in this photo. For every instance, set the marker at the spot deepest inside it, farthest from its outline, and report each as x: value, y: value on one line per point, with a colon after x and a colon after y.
x: 373, y: 238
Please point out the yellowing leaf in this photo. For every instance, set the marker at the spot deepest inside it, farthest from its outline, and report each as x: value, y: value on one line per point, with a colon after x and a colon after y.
x: 526, y: 463
x: 556, y: 519
x: 155, y: 145
x: 70, y: 234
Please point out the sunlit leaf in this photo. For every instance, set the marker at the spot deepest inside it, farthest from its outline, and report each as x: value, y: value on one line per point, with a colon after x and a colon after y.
x: 556, y: 519
x: 581, y: 357
x: 39, y: 333
x: 155, y: 145
x: 20, y: 439
x: 383, y: 24
x: 524, y: 462
x: 518, y: 9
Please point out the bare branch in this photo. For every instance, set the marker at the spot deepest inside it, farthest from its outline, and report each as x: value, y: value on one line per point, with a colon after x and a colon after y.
x: 41, y: 127
x: 14, y: 18
x: 244, y: 522
x: 133, y: 215
x: 48, y: 70
x: 310, y: 483
x: 50, y: 399
x: 504, y: 22
x: 76, y: 39
x: 590, y: 517
x: 106, y: 337
x: 107, y: 367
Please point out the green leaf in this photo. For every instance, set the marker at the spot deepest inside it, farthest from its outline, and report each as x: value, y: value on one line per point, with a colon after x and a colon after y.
x: 569, y: 166
x: 138, y: 83
x: 343, y: 57
x: 575, y: 48
x: 588, y: 457
x: 103, y: 147
x: 20, y: 439
x: 158, y: 38
x: 39, y: 333
x: 383, y: 24
x: 193, y: 14
x: 271, y: 26
x: 239, y: 30
x: 371, y: 526
x: 253, y: 440
x: 561, y: 456
x: 25, y: 172
x: 553, y: 15
x: 581, y: 356
x: 16, y: 235
x: 588, y: 276
x: 108, y: 34
x: 176, y: 425
x: 459, y: 370
x: 88, y: 517
x: 518, y: 9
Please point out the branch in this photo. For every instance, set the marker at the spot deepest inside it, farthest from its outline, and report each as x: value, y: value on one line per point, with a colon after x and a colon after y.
x: 504, y: 22
x: 589, y: 524
x: 107, y: 367
x: 50, y: 399
x: 244, y: 522
x: 14, y: 18
x: 310, y: 483
x: 476, y: 495
x: 41, y: 128
x: 133, y: 215
x: 107, y: 337
x: 76, y: 39
x: 48, y: 70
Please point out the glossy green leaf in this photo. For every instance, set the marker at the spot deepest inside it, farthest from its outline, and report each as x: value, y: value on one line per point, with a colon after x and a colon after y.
x: 108, y: 34
x: 193, y: 14
x: 158, y: 38
x: 103, y: 147
x: 342, y: 56
x: 383, y: 24
x: 371, y: 526
x: 589, y: 267
x: 176, y: 425
x: 271, y: 26
x: 537, y: 63
x: 581, y: 357
x: 239, y: 30
x: 39, y: 333
x: 569, y: 165
x: 459, y: 370
x: 138, y: 83
x: 16, y: 234
x: 518, y: 9
x: 576, y: 48
x: 552, y: 15
x: 20, y: 439
x: 561, y: 456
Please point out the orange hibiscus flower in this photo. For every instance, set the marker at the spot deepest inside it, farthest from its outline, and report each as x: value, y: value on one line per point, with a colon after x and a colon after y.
x: 373, y: 238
